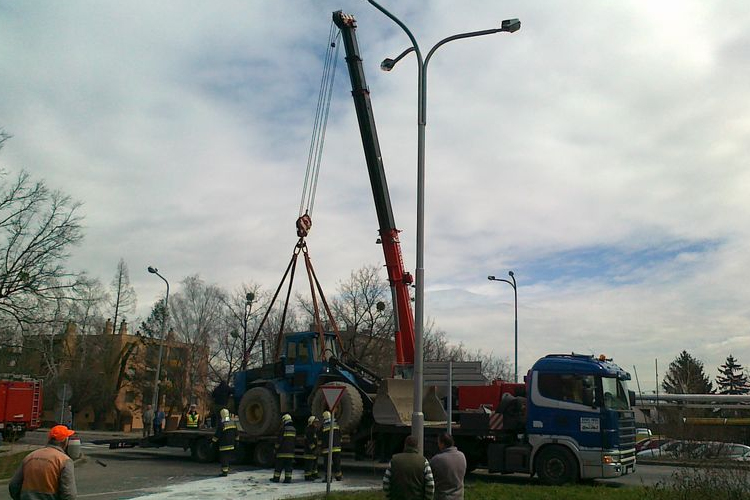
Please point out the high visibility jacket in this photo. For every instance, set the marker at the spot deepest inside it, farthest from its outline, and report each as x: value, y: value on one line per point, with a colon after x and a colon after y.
x: 311, y: 442
x: 326, y: 437
x: 287, y: 440
x: 226, y: 435
x: 192, y: 420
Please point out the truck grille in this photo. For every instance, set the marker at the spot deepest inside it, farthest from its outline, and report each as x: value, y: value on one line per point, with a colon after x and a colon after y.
x: 627, y: 436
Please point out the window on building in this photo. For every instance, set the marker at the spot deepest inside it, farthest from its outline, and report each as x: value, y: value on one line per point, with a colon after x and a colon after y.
x: 130, y: 397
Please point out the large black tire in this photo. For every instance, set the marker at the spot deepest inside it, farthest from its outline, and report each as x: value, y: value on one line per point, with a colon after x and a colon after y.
x: 259, y: 412
x: 203, y: 450
x: 348, y: 412
x: 264, y: 454
x: 556, y: 465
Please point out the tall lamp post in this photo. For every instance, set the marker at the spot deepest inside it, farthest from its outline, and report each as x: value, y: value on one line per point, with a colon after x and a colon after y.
x: 515, y: 297
x: 249, y: 297
x: 155, y: 399
x: 510, y: 26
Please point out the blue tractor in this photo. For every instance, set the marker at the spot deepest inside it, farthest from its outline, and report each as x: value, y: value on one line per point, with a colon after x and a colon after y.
x: 291, y: 385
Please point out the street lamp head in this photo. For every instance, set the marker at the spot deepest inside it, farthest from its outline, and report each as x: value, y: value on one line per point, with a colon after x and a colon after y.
x: 510, y: 273
x: 152, y: 270
x: 491, y: 278
x: 387, y: 64
x: 510, y: 25
x: 249, y: 297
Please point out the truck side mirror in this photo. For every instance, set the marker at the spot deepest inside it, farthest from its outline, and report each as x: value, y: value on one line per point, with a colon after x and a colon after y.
x: 631, y: 398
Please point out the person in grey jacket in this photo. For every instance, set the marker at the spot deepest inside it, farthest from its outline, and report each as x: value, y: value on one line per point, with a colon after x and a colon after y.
x: 448, y: 469
x: 47, y: 473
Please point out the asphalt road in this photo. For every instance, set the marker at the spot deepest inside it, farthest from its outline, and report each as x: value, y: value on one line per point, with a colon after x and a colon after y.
x: 128, y: 473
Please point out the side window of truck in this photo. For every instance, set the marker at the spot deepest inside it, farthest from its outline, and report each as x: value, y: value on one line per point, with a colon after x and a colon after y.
x: 567, y: 387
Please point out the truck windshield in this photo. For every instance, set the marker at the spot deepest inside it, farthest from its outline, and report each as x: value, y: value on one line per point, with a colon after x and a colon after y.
x: 615, y: 394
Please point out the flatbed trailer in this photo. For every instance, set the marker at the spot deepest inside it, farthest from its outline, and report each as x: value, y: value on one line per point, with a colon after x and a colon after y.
x: 258, y: 450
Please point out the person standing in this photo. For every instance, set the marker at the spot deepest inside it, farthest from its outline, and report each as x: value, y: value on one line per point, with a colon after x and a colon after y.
x: 448, y: 469
x: 226, y: 436
x: 285, y: 450
x: 409, y: 476
x: 158, y: 421
x: 311, y: 449
x: 47, y: 472
x: 336, y: 449
x: 148, y: 421
x: 192, y: 419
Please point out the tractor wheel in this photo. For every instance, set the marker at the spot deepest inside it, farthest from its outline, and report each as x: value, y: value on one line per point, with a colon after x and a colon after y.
x: 259, y: 412
x: 203, y: 450
x: 556, y: 465
x: 349, y: 410
x: 264, y: 454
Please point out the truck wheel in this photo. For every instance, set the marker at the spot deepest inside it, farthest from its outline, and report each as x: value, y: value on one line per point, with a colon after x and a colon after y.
x: 349, y: 410
x: 264, y: 454
x: 202, y: 450
x: 556, y: 465
x: 259, y: 412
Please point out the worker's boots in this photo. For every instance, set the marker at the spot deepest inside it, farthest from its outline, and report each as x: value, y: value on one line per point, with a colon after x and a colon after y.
x: 288, y: 479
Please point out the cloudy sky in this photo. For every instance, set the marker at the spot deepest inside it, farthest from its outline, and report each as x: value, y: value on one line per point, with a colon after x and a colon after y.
x: 601, y: 153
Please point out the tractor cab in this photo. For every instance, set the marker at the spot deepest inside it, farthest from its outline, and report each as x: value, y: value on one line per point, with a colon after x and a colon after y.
x: 304, y: 358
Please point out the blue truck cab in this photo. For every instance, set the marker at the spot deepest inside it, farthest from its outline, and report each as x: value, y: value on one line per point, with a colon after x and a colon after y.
x: 579, y: 407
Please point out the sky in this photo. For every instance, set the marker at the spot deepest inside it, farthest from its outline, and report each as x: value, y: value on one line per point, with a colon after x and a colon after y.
x: 601, y: 153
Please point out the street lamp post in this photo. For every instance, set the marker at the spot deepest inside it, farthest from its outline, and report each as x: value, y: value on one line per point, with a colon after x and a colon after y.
x: 165, y: 322
x: 510, y: 26
x: 249, y: 297
x: 515, y: 297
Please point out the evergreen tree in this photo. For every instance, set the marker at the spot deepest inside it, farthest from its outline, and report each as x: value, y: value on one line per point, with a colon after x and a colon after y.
x: 732, y: 379
x: 686, y: 376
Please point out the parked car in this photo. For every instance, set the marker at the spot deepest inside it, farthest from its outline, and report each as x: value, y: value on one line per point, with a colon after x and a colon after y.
x: 642, y: 433
x: 722, y: 451
x: 651, y: 443
x: 671, y: 449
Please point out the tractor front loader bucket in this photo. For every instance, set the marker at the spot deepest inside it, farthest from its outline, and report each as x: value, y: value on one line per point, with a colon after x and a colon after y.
x: 394, y: 403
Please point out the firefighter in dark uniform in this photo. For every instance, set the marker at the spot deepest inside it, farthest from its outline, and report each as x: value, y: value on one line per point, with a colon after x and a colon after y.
x: 285, y: 449
x: 311, y: 449
x: 226, y: 436
x: 336, y: 455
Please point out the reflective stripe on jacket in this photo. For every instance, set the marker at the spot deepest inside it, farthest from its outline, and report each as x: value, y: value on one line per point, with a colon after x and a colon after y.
x: 325, y: 439
x: 192, y: 420
x: 287, y: 440
x: 226, y: 435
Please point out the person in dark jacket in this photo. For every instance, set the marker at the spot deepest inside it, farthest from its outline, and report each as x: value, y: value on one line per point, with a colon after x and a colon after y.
x: 226, y: 436
x: 47, y: 472
x: 336, y: 449
x: 285, y: 450
x: 158, y: 421
x: 448, y: 469
x: 409, y: 476
x: 311, y: 449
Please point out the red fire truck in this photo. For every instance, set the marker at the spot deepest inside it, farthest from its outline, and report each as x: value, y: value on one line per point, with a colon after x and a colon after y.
x: 20, y: 405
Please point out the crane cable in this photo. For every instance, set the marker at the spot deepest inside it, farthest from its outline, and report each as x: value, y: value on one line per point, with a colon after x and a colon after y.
x: 315, y: 154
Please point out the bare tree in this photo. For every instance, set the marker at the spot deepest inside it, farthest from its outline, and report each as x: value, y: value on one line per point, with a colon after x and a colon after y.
x: 39, y: 227
x: 196, y: 312
x: 363, y: 312
x: 123, y: 294
x: 240, y: 323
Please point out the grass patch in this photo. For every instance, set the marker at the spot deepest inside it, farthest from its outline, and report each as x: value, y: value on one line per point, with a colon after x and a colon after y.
x: 9, y: 463
x: 495, y: 491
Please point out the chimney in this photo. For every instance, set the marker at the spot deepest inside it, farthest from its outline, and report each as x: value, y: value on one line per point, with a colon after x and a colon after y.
x: 108, y: 328
x: 123, y: 328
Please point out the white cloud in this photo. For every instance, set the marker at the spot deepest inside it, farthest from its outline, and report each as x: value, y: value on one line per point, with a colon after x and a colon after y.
x: 605, y: 140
